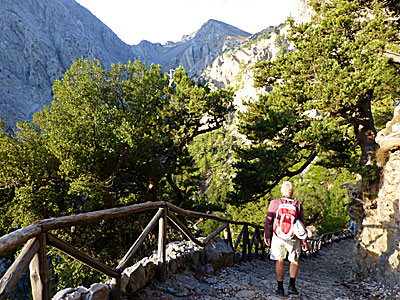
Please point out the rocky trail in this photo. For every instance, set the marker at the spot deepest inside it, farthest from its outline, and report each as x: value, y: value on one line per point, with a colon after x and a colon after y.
x: 328, y: 275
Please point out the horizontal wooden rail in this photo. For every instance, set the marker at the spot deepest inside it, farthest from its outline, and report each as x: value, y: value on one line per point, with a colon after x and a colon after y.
x: 40, y: 230
x: 193, y: 214
x: 96, y: 216
x: 75, y: 253
x: 18, y: 237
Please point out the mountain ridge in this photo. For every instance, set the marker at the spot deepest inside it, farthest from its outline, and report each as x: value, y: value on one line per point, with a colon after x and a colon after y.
x: 40, y: 41
x: 194, y: 51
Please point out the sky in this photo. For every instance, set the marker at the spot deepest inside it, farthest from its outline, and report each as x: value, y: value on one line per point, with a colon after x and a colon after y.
x: 160, y: 21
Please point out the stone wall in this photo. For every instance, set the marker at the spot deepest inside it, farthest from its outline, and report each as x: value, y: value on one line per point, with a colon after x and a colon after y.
x: 378, y: 250
x: 180, y: 256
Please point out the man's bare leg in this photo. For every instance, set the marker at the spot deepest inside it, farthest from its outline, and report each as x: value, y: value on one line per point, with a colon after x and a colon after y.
x: 279, y: 270
x: 293, y: 269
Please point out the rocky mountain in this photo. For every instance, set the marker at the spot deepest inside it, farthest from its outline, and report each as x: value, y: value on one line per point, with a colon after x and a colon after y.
x: 234, y: 67
x: 195, y: 51
x: 39, y: 40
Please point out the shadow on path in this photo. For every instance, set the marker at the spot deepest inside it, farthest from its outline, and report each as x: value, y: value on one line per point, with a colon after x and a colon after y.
x: 329, y: 275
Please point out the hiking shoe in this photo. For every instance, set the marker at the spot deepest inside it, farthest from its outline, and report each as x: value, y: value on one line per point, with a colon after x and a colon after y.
x: 292, y: 290
x: 280, y: 292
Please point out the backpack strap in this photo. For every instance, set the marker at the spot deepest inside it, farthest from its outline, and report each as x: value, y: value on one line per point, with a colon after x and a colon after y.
x: 279, y: 203
x: 294, y: 203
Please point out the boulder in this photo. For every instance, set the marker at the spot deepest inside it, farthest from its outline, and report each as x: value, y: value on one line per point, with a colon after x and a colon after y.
x: 219, y: 254
x: 99, y: 291
x: 61, y: 294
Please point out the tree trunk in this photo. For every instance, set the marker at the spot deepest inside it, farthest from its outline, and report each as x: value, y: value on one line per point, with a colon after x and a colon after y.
x: 365, y: 131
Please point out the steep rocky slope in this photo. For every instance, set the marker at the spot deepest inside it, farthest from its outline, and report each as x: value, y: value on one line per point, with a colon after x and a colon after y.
x: 195, y: 51
x: 38, y: 41
x: 379, y: 240
x: 234, y: 67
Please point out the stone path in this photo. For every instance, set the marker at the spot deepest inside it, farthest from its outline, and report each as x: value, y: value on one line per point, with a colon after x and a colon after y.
x: 327, y: 276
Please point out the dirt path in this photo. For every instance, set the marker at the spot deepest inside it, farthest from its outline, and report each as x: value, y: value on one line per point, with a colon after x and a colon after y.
x: 327, y: 276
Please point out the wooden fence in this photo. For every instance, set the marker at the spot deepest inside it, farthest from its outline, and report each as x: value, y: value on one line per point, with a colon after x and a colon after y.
x: 315, y: 244
x: 37, y: 237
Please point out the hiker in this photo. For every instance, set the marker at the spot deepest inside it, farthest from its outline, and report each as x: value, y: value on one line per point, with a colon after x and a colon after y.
x: 286, y: 244
x: 352, y: 226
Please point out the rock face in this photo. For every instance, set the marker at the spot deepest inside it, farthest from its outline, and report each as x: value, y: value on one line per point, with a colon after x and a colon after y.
x: 195, y: 51
x: 39, y: 40
x: 235, y: 67
x: 379, y: 243
x: 304, y: 12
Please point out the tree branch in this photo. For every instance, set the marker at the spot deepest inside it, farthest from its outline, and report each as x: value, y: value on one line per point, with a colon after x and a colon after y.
x: 304, y: 166
x: 177, y: 190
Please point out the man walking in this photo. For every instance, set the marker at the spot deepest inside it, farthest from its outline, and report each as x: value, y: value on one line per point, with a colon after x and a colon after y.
x: 282, y: 246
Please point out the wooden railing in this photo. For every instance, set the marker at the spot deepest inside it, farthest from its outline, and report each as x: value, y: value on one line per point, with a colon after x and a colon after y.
x: 38, y: 236
x: 315, y: 244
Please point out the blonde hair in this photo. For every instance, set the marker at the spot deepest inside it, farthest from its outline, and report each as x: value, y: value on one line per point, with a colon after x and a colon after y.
x: 287, y: 189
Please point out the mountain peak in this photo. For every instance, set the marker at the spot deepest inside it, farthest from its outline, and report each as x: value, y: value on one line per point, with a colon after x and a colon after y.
x: 218, y: 27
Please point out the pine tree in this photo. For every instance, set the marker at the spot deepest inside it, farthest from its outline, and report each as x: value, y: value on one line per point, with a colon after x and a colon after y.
x: 329, y: 96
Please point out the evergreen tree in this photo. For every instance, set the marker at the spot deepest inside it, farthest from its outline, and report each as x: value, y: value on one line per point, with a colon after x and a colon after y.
x: 329, y: 96
x: 110, y: 138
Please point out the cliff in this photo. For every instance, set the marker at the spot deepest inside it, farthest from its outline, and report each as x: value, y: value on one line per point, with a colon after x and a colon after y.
x: 195, y: 51
x: 378, y: 250
x: 38, y: 42
x: 40, y: 39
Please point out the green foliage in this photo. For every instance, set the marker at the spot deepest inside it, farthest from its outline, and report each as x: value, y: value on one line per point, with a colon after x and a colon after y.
x: 327, y: 97
x: 324, y: 201
x: 110, y: 138
x: 212, y: 153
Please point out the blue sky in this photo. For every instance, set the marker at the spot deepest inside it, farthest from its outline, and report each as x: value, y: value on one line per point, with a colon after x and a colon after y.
x: 168, y: 20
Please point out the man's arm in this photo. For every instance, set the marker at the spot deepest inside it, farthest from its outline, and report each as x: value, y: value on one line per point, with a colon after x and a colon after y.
x: 301, y: 218
x: 273, y: 206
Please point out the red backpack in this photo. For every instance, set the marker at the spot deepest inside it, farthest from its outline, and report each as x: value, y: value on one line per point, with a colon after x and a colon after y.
x: 285, y: 217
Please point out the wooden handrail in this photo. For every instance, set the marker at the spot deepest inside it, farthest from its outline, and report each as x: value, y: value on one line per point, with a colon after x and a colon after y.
x: 193, y: 214
x: 18, y: 237
x: 37, y: 236
x: 95, y: 216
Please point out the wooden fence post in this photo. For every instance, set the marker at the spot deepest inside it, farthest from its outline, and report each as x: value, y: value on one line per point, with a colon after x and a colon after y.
x: 14, y: 273
x: 162, y: 244
x: 116, y: 288
x: 257, y: 241
x: 40, y: 272
x: 262, y: 244
x: 245, y: 242
x: 228, y: 236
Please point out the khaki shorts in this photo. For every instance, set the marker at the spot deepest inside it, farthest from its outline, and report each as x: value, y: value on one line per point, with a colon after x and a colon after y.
x: 280, y: 248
